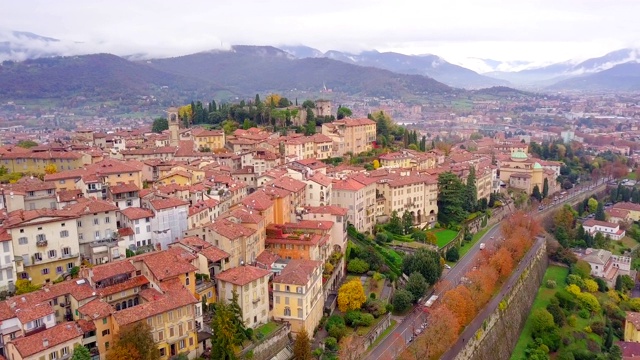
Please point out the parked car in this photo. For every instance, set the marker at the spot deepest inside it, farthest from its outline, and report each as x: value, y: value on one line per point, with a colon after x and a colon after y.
x: 482, y: 246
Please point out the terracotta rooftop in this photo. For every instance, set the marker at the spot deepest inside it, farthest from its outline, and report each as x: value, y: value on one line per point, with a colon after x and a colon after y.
x: 230, y: 230
x: 214, y: 254
x: 267, y: 258
x: 311, y: 224
x: 38, y: 342
x: 96, y: 309
x: 329, y: 209
x: 135, y: 213
x: 105, y: 271
x: 27, y: 311
x: 168, y: 263
x: 158, y: 304
x: 123, y: 188
x: 297, y: 272
x: 19, y: 217
x: 289, y: 184
x: 162, y: 204
x: 86, y: 206
x: 592, y: 222
x: 134, y: 282
x: 242, y: 275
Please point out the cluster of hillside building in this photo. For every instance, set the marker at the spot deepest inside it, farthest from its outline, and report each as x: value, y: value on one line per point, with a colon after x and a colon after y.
x: 159, y: 224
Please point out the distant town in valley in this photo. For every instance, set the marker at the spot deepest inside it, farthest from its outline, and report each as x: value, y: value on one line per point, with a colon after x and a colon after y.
x: 264, y: 203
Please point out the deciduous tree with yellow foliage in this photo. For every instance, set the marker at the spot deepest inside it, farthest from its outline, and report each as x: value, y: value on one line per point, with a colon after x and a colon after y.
x: 351, y: 296
x: 51, y: 169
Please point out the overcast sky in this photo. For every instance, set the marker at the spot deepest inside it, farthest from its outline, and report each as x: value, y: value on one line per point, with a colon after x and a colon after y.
x: 541, y: 31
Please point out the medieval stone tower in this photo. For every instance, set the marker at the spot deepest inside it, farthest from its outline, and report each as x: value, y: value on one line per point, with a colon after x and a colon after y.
x: 174, y: 126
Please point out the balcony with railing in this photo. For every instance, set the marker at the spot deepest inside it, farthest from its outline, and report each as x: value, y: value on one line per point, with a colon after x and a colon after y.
x: 41, y: 242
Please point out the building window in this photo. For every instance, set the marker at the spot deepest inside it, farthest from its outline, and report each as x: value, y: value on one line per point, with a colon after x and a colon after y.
x: 186, y: 279
x: 277, y: 299
x: 171, y: 332
x: 70, y: 266
x: 79, y: 223
x: 37, y: 256
x: 64, y: 233
x: 96, y: 221
x: 104, y: 321
x: 53, y: 355
x: 59, y: 270
x: 52, y: 254
x: 105, y: 332
x: 163, y: 352
x: 45, y: 271
x: 182, y: 344
x: 300, y: 313
x: 65, y: 351
x: 23, y: 241
x: 287, y: 311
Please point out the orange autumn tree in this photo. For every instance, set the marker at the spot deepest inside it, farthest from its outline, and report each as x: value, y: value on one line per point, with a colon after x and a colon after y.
x: 481, y: 283
x: 459, y: 302
x: 442, y: 331
x: 124, y: 352
x: 502, y: 262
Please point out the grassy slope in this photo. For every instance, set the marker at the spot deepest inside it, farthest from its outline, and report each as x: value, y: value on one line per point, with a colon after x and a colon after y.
x: 557, y: 273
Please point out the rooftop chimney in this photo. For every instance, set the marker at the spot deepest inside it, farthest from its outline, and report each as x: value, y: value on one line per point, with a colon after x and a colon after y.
x: 45, y: 343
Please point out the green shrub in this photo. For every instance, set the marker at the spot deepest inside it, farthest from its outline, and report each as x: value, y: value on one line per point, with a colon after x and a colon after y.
x: 584, y: 313
x: 331, y: 343
x: 357, y: 266
x: 551, y: 284
x: 572, y: 320
x: 453, y: 254
x: 402, y: 300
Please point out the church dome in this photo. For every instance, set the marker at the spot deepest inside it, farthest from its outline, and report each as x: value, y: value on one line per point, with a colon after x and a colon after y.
x: 537, y: 166
x: 519, y: 155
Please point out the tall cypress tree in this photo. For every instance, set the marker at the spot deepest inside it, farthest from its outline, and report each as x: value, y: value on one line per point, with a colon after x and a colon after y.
x: 545, y: 188
x: 600, y: 212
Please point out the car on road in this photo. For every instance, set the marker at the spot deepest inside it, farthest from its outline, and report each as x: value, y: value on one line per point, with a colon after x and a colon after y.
x: 482, y: 246
x: 540, y: 208
x: 446, y: 266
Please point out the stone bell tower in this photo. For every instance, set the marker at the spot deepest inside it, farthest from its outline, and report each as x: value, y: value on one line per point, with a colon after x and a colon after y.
x: 174, y: 125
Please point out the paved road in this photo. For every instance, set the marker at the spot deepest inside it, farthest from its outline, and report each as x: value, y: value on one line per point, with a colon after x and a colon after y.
x: 394, y: 343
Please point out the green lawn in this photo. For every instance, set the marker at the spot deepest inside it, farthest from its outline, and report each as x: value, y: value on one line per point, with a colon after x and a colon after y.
x: 559, y: 274
x: 445, y: 237
x: 464, y: 249
x: 267, y: 328
x: 384, y: 334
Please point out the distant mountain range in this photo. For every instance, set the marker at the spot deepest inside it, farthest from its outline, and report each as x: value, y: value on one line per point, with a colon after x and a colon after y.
x: 428, y: 65
x: 248, y: 69
x: 245, y: 70
x: 555, y: 73
x: 101, y: 76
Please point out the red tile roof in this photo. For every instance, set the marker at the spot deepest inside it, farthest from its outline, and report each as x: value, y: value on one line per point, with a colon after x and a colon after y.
x: 230, y: 230
x: 162, y: 204
x: 310, y: 224
x: 214, y: 254
x: 56, y: 335
x: 297, y: 272
x: 134, y: 282
x: 96, y: 309
x: 168, y: 263
x: 135, y: 213
x: 123, y: 188
x: 242, y: 275
x: 289, y: 184
x: 330, y: 209
x: 157, y: 304
x: 86, y: 206
x: 105, y: 271
x: 267, y: 258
